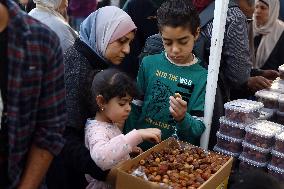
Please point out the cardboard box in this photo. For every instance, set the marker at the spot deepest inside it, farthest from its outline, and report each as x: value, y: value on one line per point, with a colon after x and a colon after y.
x: 127, y: 181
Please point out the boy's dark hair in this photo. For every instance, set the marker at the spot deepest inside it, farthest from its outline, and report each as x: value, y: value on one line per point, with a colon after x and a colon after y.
x: 254, y: 180
x: 112, y: 83
x: 176, y: 13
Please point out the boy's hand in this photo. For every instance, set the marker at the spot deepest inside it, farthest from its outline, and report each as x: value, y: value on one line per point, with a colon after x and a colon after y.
x: 178, y: 108
x: 150, y: 134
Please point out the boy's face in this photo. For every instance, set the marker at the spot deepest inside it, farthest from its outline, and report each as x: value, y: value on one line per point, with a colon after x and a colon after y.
x: 178, y: 43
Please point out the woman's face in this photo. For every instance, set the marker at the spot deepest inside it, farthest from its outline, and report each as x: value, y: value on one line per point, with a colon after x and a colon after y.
x: 117, y: 50
x: 261, y: 13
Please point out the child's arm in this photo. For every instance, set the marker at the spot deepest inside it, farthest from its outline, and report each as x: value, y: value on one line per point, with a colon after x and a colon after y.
x: 190, y: 125
x: 186, y: 122
x: 108, y: 152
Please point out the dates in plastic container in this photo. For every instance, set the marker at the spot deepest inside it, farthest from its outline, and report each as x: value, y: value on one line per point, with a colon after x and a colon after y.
x: 277, y: 159
x: 280, y: 117
x: 279, y: 142
x: 247, y: 164
x: 281, y: 103
x: 267, y: 114
x: 242, y: 110
x: 229, y: 143
x: 277, y: 85
x: 232, y: 129
x: 261, y: 133
x: 268, y: 98
x: 281, y: 71
x: 255, y: 153
x: 276, y: 172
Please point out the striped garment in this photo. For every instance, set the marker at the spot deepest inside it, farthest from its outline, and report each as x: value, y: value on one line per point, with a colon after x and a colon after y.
x: 36, y: 95
x: 236, y: 64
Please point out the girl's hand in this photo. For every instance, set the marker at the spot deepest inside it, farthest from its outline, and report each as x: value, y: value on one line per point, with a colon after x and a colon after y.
x: 150, y: 134
x: 135, y: 151
x: 178, y: 108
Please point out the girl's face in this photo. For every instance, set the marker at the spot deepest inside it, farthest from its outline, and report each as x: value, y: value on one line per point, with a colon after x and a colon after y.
x: 117, y: 109
x: 261, y: 13
x: 178, y: 43
x: 117, y: 50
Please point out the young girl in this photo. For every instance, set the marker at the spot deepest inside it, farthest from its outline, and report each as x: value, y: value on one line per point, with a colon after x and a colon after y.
x: 112, y: 93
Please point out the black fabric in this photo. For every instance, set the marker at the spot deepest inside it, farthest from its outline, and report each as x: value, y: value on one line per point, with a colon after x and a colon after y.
x: 143, y: 14
x: 3, y: 87
x: 68, y: 169
x: 256, y: 42
x: 94, y: 60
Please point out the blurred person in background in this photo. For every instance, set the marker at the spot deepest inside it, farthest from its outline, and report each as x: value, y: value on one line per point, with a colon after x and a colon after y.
x: 26, y: 5
x: 78, y: 10
x: 144, y: 15
x: 49, y: 13
x: 268, y: 35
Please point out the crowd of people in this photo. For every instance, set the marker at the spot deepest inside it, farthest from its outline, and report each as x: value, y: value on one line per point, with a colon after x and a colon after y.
x: 84, y: 85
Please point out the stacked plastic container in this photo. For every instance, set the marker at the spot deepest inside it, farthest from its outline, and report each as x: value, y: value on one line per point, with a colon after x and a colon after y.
x: 257, y: 144
x: 238, y: 114
x: 270, y: 101
x: 276, y: 165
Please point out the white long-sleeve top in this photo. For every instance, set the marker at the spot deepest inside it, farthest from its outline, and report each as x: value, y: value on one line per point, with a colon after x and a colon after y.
x: 56, y: 23
x: 108, y: 146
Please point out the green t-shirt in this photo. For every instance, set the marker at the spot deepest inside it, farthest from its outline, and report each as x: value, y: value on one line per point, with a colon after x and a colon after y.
x: 158, y: 79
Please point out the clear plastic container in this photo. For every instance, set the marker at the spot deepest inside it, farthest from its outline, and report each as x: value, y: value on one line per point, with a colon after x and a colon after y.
x: 276, y: 172
x: 277, y: 85
x: 279, y: 142
x: 225, y: 152
x: 255, y: 153
x: 281, y: 71
x: 281, y: 103
x: 268, y: 98
x: 232, y: 129
x: 267, y: 114
x: 242, y: 110
x: 247, y: 165
x: 280, y: 117
x: 261, y: 133
x: 277, y: 159
x: 229, y: 143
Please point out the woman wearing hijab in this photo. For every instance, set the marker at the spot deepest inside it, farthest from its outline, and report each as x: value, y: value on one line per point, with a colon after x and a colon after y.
x: 103, y: 42
x: 268, y: 35
x: 48, y: 12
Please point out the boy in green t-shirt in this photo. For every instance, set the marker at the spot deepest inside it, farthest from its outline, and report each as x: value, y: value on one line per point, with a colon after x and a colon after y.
x: 176, y: 70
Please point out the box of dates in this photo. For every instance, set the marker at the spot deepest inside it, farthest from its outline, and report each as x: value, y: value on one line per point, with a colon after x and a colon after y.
x: 175, y: 165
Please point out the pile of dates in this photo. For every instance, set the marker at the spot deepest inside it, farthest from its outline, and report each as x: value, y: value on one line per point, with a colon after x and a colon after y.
x: 186, y: 168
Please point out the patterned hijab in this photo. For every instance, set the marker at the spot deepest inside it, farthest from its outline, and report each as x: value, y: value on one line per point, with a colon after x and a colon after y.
x: 271, y: 32
x: 104, y: 26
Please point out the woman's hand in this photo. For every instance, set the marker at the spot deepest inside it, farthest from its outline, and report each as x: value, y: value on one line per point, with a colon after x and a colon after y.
x: 150, y: 134
x: 178, y: 108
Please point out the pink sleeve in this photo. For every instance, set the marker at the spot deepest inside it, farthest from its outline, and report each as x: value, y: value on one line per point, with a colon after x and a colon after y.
x: 108, y: 152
